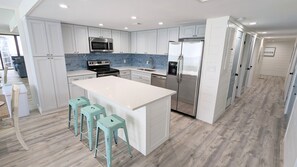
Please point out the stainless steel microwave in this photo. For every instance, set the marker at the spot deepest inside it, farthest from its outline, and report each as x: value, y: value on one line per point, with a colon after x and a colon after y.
x: 101, y: 44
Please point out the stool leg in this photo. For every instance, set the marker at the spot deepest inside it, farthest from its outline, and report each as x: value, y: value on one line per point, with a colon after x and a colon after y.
x: 115, y: 136
x: 81, y: 125
x: 127, y: 140
x: 75, y: 114
x: 90, y: 133
x: 69, y: 116
x: 108, y: 148
x: 96, y: 142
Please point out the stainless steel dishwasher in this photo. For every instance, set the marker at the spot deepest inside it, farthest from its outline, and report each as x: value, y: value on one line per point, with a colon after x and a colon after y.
x: 158, y: 80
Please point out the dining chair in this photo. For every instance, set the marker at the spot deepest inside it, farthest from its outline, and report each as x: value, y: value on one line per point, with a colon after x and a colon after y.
x: 15, y: 114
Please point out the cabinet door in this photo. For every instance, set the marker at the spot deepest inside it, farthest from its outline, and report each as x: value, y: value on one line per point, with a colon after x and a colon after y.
x: 200, y: 30
x: 60, y: 81
x: 46, y: 88
x: 74, y: 90
x: 38, y: 38
x: 105, y: 33
x: 81, y: 39
x: 94, y: 32
x: 133, y: 42
x: 125, y: 42
x: 151, y: 41
x: 141, y: 42
x: 187, y: 31
x: 162, y: 41
x: 54, y: 38
x: 68, y: 38
x: 116, y: 36
x: 173, y: 34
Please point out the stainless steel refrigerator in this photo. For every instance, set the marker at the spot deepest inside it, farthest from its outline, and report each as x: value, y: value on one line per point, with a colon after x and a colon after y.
x: 183, y: 74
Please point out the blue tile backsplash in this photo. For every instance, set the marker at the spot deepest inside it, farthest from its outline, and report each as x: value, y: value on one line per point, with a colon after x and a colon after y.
x: 79, y: 61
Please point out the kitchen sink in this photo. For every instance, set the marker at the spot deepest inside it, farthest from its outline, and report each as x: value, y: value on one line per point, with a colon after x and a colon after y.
x: 146, y: 69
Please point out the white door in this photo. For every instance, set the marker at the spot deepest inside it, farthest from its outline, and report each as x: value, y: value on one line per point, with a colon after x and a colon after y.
x: 187, y: 31
x: 291, y: 71
x: 81, y: 39
x: 105, y: 33
x: 54, y: 38
x: 151, y: 41
x: 116, y: 36
x: 125, y: 47
x: 60, y: 81
x: 38, y: 38
x: 46, y: 88
x: 162, y: 42
x: 133, y: 42
x: 68, y: 38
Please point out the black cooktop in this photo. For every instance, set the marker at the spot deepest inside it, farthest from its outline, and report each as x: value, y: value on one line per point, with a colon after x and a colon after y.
x: 101, y: 66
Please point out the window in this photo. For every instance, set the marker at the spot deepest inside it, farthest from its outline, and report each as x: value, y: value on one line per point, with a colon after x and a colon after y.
x: 10, y: 45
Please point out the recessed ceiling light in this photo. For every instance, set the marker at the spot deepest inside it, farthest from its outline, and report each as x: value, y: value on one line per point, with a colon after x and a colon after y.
x: 252, y: 23
x: 160, y: 23
x: 203, y: 0
x: 241, y: 18
x: 100, y: 24
x: 133, y: 17
x: 263, y: 32
x: 126, y: 28
x: 63, y: 6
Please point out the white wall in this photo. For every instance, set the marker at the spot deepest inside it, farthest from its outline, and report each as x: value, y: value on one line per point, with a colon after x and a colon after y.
x: 290, y: 141
x: 279, y: 64
x: 209, y: 92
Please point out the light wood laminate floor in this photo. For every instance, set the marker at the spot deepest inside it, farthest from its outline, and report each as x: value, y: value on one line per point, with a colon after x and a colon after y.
x: 250, y: 133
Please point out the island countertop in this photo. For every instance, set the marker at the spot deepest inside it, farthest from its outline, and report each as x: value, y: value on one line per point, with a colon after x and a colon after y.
x: 126, y: 93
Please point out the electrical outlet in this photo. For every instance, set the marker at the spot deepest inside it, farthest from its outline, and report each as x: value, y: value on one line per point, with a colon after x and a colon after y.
x: 125, y: 61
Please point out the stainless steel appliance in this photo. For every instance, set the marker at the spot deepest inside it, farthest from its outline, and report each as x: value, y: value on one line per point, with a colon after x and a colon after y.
x: 158, y: 80
x: 102, y: 67
x: 183, y: 74
x: 101, y: 44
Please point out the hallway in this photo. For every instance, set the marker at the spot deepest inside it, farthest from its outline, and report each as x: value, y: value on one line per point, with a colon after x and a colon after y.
x: 250, y: 133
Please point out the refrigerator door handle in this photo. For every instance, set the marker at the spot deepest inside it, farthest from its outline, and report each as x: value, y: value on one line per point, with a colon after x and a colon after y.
x: 178, y: 68
x: 182, y: 68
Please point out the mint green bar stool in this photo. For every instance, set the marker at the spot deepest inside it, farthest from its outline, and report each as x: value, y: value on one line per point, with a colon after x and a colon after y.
x: 110, y: 125
x: 90, y: 112
x: 74, y: 105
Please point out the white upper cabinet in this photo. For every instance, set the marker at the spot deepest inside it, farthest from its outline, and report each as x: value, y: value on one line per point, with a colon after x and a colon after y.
x: 99, y: 32
x: 147, y: 42
x: 173, y: 34
x: 133, y: 42
x: 125, y: 42
x: 121, y: 41
x: 75, y: 39
x: 105, y: 33
x: 116, y: 36
x: 162, y: 41
x: 81, y: 39
x: 192, y: 31
x: 45, y: 38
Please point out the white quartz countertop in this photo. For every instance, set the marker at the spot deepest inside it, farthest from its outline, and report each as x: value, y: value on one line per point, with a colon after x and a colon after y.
x: 157, y: 71
x: 123, y: 92
x: 79, y: 72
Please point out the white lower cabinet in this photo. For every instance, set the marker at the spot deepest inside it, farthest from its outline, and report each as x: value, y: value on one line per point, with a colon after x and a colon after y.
x: 75, y: 91
x: 52, y: 83
x: 125, y: 74
x: 140, y: 76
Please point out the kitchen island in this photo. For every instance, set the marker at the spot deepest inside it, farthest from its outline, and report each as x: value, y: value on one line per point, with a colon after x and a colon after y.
x: 145, y: 108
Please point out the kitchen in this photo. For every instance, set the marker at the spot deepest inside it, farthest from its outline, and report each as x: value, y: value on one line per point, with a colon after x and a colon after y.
x: 192, y: 63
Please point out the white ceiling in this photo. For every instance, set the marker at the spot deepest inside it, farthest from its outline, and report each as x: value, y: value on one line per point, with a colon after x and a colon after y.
x: 5, y: 17
x: 277, y: 17
x: 9, y: 4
